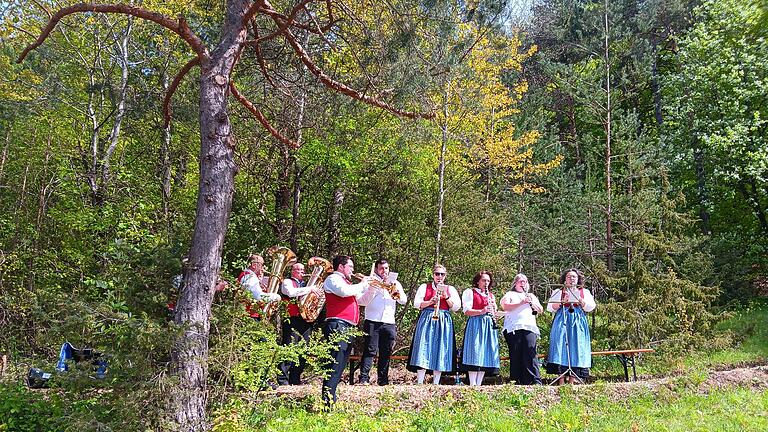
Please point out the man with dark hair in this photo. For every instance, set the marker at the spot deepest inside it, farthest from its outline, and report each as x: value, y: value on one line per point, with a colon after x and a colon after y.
x: 342, y: 314
x: 379, y: 324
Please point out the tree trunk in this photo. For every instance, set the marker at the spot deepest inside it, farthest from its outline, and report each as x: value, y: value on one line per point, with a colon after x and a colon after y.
x: 441, y: 177
x: 752, y: 196
x: 334, y: 216
x: 294, y: 234
x: 701, y: 187
x: 165, y: 159
x: 655, y: 87
x: 283, y: 196
x: 609, y: 258
x: 214, y: 204
x: 114, y: 136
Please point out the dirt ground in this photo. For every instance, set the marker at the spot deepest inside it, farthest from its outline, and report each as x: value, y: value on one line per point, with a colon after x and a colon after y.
x: 406, y: 394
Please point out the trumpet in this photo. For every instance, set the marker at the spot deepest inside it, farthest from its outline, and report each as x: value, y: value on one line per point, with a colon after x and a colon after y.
x: 439, y: 290
x: 391, y: 288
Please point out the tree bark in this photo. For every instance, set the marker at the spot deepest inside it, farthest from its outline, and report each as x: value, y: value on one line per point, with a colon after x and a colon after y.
x: 294, y: 234
x: 701, y: 187
x: 214, y: 203
x: 334, y: 216
x: 283, y: 196
x: 609, y: 258
x: 441, y: 176
x: 165, y: 157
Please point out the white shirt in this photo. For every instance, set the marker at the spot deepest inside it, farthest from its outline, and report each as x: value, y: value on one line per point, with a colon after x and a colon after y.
x: 521, y: 316
x: 468, y: 298
x: 336, y: 283
x: 379, y: 304
x: 253, y: 283
x: 288, y: 288
x: 418, y: 299
x: 589, y: 301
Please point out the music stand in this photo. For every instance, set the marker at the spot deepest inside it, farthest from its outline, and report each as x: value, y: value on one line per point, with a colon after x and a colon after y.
x: 569, y: 369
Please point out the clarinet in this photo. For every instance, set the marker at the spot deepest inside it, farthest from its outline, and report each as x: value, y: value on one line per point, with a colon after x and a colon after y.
x: 528, y: 299
x: 491, y: 301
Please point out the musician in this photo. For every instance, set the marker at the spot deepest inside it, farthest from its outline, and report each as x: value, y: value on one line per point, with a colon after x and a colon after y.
x: 570, y: 305
x: 379, y: 325
x: 521, y: 331
x: 295, y: 328
x: 253, y: 279
x: 434, y: 340
x: 480, y: 353
x: 342, y: 314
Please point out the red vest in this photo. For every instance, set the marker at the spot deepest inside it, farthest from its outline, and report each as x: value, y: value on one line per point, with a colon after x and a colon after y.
x: 430, y: 292
x: 290, y: 302
x: 570, y: 305
x: 478, y: 301
x: 345, y: 308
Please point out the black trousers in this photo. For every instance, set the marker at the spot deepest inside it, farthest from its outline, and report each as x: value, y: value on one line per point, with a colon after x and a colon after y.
x: 339, y: 358
x: 379, y: 340
x: 523, y: 366
x: 294, y: 330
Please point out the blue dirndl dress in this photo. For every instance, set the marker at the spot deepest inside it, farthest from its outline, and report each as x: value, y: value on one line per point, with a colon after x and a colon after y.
x: 579, y: 342
x: 480, y: 351
x: 434, y: 342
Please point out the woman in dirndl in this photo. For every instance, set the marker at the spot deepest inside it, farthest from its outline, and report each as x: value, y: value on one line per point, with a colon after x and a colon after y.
x: 434, y: 341
x: 480, y: 354
x: 570, y: 345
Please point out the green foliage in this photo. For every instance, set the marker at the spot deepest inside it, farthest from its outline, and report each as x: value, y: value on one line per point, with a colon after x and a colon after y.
x: 23, y: 410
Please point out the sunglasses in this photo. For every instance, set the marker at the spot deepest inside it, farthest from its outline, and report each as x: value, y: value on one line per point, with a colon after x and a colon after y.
x: 439, y: 274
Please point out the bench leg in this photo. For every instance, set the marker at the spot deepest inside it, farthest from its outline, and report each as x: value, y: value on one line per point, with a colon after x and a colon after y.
x: 623, y: 359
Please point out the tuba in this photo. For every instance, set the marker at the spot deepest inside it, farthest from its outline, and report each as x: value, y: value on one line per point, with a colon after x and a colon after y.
x: 282, y: 258
x: 311, y: 304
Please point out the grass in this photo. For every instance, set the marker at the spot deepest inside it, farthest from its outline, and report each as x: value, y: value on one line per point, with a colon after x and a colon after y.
x: 684, y: 403
x: 660, y: 409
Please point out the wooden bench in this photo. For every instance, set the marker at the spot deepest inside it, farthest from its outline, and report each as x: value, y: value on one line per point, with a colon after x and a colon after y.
x: 626, y: 357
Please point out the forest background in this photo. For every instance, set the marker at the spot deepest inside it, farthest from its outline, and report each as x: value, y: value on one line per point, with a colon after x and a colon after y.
x: 627, y: 139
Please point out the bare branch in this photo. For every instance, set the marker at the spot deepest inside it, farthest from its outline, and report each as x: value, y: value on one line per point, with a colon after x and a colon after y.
x: 260, y: 117
x: 287, y: 20
x: 42, y: 6
x: 260, y: 57
x: 172, y: 89
x: 15, y: 27
x: 344, y: 89
x: 179, y: 27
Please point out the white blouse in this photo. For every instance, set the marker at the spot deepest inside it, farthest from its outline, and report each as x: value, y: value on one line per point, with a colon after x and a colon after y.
x: 521, y: 316
x: 589, y: 301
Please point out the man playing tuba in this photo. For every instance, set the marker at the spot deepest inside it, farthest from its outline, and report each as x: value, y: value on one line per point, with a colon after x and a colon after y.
x: 379, y: 325
x: 253, y: 279
x: 295, y: 328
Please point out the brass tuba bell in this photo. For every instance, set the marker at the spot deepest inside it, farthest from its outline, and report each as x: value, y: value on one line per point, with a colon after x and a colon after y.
x: 282, y: 258
x: 310, y: 305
